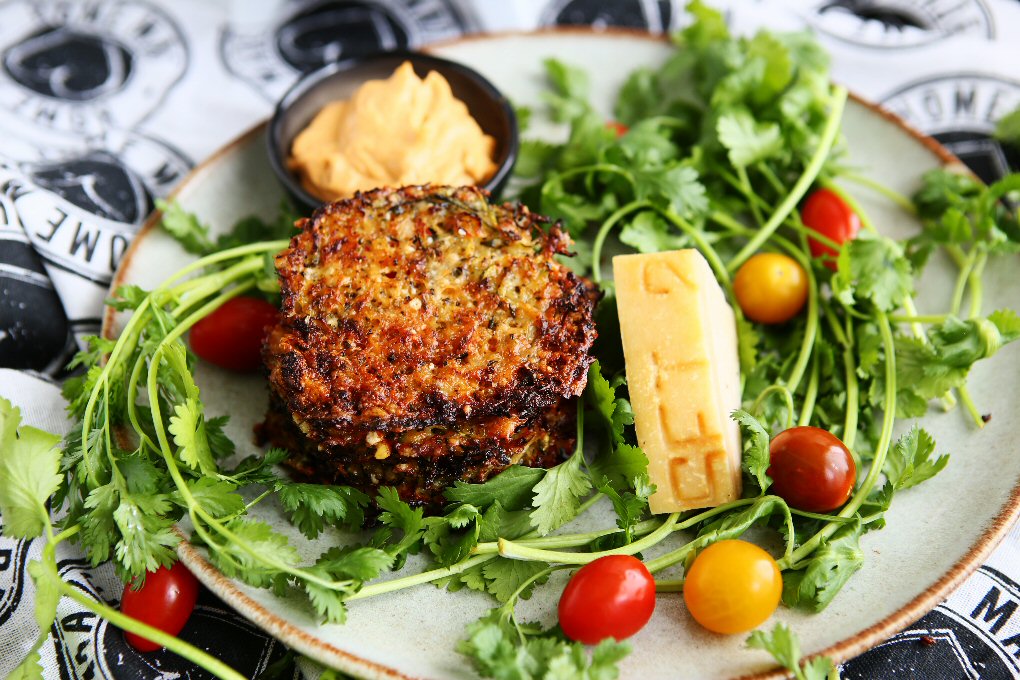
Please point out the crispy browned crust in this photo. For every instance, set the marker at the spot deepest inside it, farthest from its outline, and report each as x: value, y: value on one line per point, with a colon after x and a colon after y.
x: 420, y: 464
x: 408, y: 308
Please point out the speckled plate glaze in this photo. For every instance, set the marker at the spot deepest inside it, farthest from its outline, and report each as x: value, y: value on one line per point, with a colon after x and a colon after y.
x: 936, y: 534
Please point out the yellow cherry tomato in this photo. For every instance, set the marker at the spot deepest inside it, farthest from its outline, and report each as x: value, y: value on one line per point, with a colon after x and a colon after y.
x: 771, y: 288
x: 732, y: 587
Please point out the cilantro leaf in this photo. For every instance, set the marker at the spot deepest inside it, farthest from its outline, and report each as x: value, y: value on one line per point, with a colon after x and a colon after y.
x: 498, y: 650
x: 873, y: 269
x: 233, y: 557
x: 630, y: 507
x: 147, y: 539
x: 497, y: 522
x: 253, y: 229
x: 451, y: 537
x: 909, y: 462
x: 782, y: 644
x: 328, y: 603
x: 313, y: 507
x: 510, y: 488
x: 534, y: 158
x: 187, y: 425
x: 126, y: 296
x: 813, y: 585
x: 678, y: 185
x: 615, y: 412
x: 927, y: 370
x: 30, y: 667
x: 99, y: 531
x: 569, y: 96
x: 185, y: 228
x: 622, y: 465
x: 558, y: 494
x: 649, y: 233
x: 746, y: 140
x: 756, y: 447
x: 220, y: 444
x: 216, y: 496
x: 29, y: 474
x: 362, y: 563
x: 258, y: 469
x: 708, y: 26
x: 396, y: 514
x: 504, y: 576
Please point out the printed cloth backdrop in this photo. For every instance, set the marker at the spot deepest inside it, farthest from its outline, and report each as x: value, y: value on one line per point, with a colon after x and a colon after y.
x: 107, y: 104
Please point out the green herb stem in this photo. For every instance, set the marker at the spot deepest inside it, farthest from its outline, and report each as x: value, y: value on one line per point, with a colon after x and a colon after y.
x: 811, y: 321
x: 970, y: 406
x: 603, y: 232
x: 881, y: 450
x: 680, y: 554
x: 787, y: 397
x: 770, y: 177
x: 896, y: 197
x: 223, y: 256
x: 853, y: 399
x: 810, y: 395
x: 568, y: 540
x: 745, y: 187
x: 918, y: 318
x: 974, y: 285
x: 521, y: 552
x: 961, y: 282
x: 698, y: 237
x: 420, y: 578
x: 730, y: 223
x: 814, y: 166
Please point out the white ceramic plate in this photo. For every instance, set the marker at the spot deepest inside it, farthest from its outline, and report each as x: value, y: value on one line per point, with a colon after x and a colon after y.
x: 936, y: 533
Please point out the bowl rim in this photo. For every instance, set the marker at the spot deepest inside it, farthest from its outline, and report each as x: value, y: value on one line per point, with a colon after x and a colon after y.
x: 309, y: 81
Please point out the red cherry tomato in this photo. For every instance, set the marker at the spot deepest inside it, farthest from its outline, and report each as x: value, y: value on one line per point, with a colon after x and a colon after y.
x: 231, y: 337
x: 616, y: 126
x: 614, y: 596
x: 825, y: 212
x: 732, y: 587
x: 811, y: 469
x: 164, y: 601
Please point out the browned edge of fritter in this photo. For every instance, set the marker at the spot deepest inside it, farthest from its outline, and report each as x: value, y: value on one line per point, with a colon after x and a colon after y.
x: 841, y: 651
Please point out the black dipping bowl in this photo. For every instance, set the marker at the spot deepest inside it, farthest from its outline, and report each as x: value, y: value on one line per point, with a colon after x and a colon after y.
x: 337, y: 81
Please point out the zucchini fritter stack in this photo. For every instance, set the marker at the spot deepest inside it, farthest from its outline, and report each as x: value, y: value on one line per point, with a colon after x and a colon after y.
x: 426, y: 336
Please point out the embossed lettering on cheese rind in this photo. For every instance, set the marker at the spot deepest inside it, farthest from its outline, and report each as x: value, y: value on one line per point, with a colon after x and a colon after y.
x: 680, y: 345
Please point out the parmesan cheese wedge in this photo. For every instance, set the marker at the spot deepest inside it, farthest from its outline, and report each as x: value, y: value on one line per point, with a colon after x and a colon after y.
x: 680, y: 345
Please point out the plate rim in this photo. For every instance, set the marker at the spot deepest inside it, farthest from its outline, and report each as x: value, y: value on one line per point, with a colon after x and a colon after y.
x: 318, y: 649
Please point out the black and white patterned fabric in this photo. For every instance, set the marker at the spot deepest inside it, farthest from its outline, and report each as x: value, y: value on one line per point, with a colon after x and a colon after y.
x: 106, y: 104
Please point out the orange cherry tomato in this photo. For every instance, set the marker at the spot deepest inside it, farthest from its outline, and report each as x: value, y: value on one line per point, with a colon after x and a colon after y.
x: 825, y: 212
x: 732, y: 587
x: 771, y: 288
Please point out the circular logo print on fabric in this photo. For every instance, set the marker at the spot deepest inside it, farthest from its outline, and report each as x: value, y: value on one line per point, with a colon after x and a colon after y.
x: 84, y: 68
x: 271, y: 52
x: 901, y: 23
x: 960, y: 111
x: 974, y: 634
x: 650, y: 15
